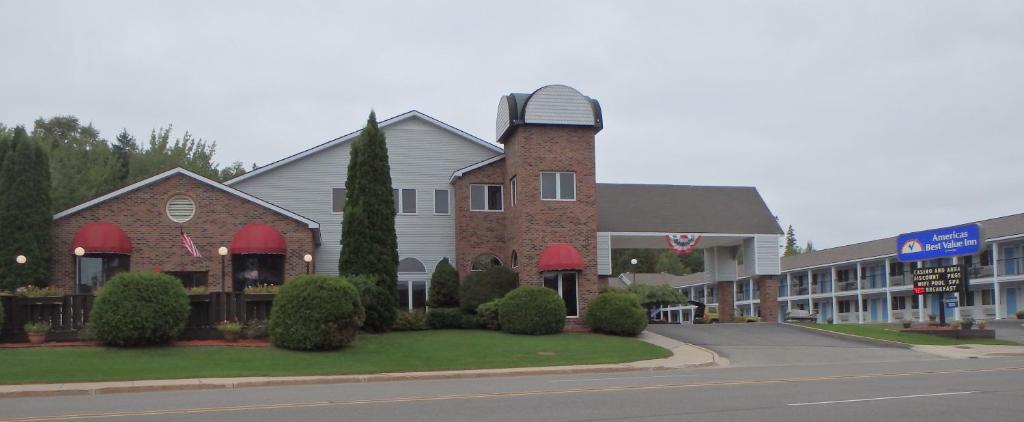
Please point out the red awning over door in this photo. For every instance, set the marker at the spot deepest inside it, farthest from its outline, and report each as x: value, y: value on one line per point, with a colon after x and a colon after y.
x: 258, y: 238
x: 102, y: 238
x: 559, y: 256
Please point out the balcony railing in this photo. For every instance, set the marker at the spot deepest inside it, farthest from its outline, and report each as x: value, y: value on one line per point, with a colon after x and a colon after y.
x: 846, y: 286
x: 799, y: 291
x: 874, y: 282
x: 1011, y: 266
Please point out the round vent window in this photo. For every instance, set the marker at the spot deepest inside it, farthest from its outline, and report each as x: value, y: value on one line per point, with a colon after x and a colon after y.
x: 181, y: 209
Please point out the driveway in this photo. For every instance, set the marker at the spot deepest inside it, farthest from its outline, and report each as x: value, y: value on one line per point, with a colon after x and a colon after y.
x: 756, y: 344
x: 1008, y: 329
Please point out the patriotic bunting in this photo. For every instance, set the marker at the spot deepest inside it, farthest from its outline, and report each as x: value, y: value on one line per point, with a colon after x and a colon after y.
x: 682, y: 243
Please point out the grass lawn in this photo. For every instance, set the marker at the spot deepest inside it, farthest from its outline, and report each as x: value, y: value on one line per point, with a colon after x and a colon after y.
x: 394, y: 352
x: 891, y: 332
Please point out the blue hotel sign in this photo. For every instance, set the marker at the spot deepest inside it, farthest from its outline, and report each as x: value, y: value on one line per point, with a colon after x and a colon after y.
x: 939, y: 243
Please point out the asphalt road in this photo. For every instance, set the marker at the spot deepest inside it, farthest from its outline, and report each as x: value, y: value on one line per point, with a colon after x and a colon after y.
x: 916, y: 390
x: 780, y: 344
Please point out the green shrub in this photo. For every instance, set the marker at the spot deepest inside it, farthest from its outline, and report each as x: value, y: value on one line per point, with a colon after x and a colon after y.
x: 444, y: 318
x: 415, y: 320
x: 256, y: 328
x: 532, y: 310
x: 315, y: 312
x: 2, y: 315
x: 138, y: 309
x: 616, y: 313
x: 444, y: 286
x: 484, y: 286
x: 488, y: 313
x: 471, y: 322
x: 377, y: 302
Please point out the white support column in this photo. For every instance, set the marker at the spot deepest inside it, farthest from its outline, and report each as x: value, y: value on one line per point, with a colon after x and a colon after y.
x: 789, y: 296
x: 860, y: 298
x: 835, y: 303
x: 810, y: 303
x: 888, y: 294
x: 956, y: 310
x: 1000, y: 313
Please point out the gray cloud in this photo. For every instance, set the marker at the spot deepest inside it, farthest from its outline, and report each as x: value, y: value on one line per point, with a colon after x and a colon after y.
x: 856, y: 120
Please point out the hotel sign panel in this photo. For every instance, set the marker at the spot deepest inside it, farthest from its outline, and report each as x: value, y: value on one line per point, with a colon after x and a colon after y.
x: 939, y: 243
x: 945, y: 279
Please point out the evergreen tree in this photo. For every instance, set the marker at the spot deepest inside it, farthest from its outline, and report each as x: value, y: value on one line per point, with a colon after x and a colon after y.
x: 24, y: 213
x: 444, y: 286
x: 791, y: 247
x: 369, y: 245
x: 82, y: 165
x: 124, y: 147
x: 809, y: 247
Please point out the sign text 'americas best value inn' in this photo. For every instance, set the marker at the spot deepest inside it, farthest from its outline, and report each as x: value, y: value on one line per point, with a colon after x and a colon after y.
x: 939, y: 243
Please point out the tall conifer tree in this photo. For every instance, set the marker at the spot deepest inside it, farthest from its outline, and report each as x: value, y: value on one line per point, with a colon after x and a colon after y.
x: 368, y: 242
x: 24, y: 213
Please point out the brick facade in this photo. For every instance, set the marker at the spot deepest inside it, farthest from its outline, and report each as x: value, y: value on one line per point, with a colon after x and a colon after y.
x: 156, y: 242
x: 768, y: 294
x: 726, y: 305
x: 531, y: 224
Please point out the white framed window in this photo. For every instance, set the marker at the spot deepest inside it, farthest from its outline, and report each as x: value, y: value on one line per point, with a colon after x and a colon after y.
x: 484, y: 262
x: 486, y: 198
x: 558, y: 186
x: 514, y: 261
x: 338, y: 200
x: 412, y: 294
x: 405, y: 201
x: 565, y: 283
x: 512, y: 191
x: 442, y: 202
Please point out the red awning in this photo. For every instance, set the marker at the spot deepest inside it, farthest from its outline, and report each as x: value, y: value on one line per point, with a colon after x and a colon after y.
x: 559, y: 256
x: 102, y: 238
x: 258, y: 238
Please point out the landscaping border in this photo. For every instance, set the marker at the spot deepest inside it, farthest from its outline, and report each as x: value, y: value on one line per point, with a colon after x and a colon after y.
x: 854, y: 337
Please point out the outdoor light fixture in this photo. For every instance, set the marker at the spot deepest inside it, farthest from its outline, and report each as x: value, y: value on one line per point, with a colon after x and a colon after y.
x: 20, y: 259
x: 636, y: 277
x: 222, y: 251
x: 79, y: 251
x: 308, y: 258
x: 633, y: 261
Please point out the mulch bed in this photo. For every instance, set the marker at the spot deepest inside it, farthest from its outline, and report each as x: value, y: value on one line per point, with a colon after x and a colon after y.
x: 186, y: 343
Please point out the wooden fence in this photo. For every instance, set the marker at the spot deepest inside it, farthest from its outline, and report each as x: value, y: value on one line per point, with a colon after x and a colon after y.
x: 69, y: 315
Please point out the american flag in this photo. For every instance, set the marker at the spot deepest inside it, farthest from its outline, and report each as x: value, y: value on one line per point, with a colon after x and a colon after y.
x: 190, y: 246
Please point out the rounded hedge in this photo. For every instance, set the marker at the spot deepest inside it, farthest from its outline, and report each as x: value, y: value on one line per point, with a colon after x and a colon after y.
x: 488, y: 313
x: 378, y: 303
x: 139, y: 309
x: 616, y: 313
x: 315, y: 312
x: 484, y: 286
x: 532, y: 310
x: 444, y: 318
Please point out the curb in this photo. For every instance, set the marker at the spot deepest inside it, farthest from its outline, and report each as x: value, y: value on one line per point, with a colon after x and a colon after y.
x: 314, y: 380
x: 854, y: 337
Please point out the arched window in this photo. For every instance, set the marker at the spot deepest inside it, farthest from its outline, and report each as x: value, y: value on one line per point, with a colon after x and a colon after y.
x: 485, y: 261
x: 514, y: 260
x: 411, y: 265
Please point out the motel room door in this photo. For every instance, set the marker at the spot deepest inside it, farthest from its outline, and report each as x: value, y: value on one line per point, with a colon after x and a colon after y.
x: 1011, y: 302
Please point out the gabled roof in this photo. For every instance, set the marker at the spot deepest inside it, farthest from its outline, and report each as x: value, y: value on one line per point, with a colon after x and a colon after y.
x: 683, y: 209
x: 180, y: 171
x: 458, y: 173
x: 353, y: 135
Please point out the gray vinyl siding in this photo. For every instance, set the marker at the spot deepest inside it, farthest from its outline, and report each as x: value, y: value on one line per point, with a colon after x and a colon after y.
x: 767, y: 251
x: 559, y: 104
x: 604, y: 253
x: 422, y: 157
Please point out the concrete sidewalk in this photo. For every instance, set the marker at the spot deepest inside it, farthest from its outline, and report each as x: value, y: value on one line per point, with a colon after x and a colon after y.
x: 972, y: 351
x: 683, y: 356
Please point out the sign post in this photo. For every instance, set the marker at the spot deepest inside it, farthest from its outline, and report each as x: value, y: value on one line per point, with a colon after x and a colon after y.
x: 934, y: 244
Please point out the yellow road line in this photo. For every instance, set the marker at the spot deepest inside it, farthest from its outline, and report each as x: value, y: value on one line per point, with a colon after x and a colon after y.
x: 493, y: 395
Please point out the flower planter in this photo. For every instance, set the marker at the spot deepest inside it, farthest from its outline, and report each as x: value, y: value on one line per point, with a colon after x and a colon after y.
x: 37, y: 338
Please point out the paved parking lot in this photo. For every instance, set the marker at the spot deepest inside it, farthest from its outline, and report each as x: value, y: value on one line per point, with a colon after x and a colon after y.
x: 779, y: 344
x: 1008, y: 329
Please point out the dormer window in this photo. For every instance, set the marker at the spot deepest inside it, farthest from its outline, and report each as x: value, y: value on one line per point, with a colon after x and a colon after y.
x: 558, y: 186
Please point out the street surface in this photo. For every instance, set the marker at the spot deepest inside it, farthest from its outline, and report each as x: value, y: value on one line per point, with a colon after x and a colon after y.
x: 907, y: 386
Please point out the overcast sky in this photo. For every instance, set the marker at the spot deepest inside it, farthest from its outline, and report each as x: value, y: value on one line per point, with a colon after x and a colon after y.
x: 855, y: 120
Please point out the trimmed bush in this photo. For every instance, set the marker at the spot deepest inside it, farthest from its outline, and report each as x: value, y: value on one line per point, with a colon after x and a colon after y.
x: 444, y: 286
x: 616, y: 313
x: 377, y: 302
x: 532, y: 310
x: 471, y: 322
x: 444, y: 318
x: 488, y: 313
x: 139, y: 309
x: 316, y: 312
x: 411, y: 321
x: 256, y: 329
x: 484, y: 286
